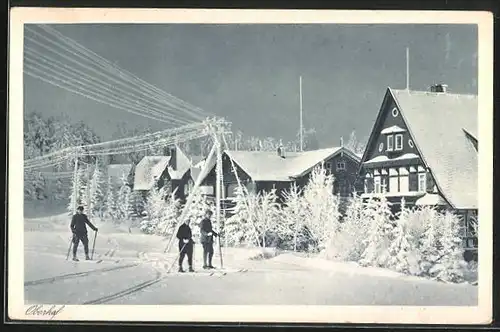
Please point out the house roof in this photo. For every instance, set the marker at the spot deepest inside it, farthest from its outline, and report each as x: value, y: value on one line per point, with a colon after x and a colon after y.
x: 437, y: 122
x: 117, y: 171
x: 149, y: 168
x: 268, y: 166
x: 183, y: 164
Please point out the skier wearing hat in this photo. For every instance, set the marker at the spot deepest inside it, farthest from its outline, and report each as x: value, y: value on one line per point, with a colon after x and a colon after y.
x: 186, y: 242
x: 79, y: 230
x: 207, y: 240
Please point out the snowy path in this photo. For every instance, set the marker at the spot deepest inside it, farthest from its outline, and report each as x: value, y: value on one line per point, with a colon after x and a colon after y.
x: 132, y: 271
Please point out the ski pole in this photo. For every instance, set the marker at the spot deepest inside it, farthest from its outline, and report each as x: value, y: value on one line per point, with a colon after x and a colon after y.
x: 70, y: 244
x: 93, y: 247
x: 176, y: 257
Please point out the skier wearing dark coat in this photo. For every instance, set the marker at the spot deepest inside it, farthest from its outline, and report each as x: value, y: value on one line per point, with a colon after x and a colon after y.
x: 186, y: 242
x: 79, y: 230
x: 207, y: 240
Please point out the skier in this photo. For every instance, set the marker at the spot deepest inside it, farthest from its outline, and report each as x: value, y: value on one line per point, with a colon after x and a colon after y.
x: 79, y: 230
x: 186, y: 242
x: 207, y: 240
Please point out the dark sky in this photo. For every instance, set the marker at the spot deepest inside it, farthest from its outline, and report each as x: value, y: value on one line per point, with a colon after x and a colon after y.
x: 250, y: 73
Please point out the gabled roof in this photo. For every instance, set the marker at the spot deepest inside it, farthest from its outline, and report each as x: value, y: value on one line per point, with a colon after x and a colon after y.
x: 437, y: 122
x: 183, y: 165
x: 117, y: 171
x: 268, y: 166
x: 148, y: 170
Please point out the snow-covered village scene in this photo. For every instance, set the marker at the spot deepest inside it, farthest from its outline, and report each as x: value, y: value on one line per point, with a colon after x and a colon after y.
x: 248, y: 164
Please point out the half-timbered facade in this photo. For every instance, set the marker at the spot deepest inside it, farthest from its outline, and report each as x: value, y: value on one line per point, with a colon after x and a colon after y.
x: 423, y: 147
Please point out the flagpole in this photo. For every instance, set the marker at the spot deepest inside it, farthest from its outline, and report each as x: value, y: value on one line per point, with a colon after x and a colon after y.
x: 408, y: 69
x: 301, y: 123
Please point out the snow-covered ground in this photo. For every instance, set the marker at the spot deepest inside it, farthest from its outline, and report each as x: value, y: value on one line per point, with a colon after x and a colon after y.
x: 133, y: 270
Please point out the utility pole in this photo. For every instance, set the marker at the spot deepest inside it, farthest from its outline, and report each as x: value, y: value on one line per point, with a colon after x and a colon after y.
x: 301, y: 121
x: 75, y: 189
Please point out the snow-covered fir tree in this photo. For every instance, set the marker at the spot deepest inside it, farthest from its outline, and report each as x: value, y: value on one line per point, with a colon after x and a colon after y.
x: 235, y: 227
x: 402, y: 251
x: 378, y: 239
x: 292, y: 218
x: 96, y: 193
x: 430, y: 243
x: 109, y: 204
x: 168, y: 221
x: 124, y: 199
x: 322, y: 219
x: 154, y: 210
x: 267, y: 215
x: 346, y: 245
x: 452, y: 262
x: 75, y: 192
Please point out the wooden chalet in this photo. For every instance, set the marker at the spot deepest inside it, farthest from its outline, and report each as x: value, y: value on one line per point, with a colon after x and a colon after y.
x: 423, y: 147
x: 262, y: 171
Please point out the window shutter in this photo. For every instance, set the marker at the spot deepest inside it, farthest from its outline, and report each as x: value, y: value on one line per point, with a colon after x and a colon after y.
x: 430, y: 182
x: 413, y: 178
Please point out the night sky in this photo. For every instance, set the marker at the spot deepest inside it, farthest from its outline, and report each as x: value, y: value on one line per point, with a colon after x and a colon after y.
x: 250, y: 73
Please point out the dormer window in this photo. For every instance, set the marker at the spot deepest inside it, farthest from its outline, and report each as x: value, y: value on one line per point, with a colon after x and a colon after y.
x: 399, y: 142
x: 341, y: 166
x: 390, y: 143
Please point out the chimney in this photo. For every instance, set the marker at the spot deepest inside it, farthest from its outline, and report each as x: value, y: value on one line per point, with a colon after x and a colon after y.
x: 172, y: 153
x: 439, y: 88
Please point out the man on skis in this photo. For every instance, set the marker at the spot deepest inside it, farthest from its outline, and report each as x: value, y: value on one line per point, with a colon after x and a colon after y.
x: 207, y: 240
x: 79, y: 230
x: 186, y: 242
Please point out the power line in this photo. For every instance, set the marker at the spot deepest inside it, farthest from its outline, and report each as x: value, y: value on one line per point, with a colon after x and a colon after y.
x: 108, y: 64
x: 111, y: 101
x: 99, y: 84
x: 94, y: 62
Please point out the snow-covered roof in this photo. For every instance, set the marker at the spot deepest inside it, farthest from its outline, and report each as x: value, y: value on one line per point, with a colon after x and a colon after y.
x: 383, y: 158
x: 117, y: 171
x: 392, y: 130
x: 437, y: 122
x: 183, y: 164
x: 148, y: 170
x: 431, y: 199
x: 268, y: 166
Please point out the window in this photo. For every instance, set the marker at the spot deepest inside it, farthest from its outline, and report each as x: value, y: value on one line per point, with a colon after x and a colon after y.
x: 377, y: 184
x: 422, y: 181
x: 393, y: 184
x: 231, y: 190
x: 340, y: 166
x: 399, y: 142
x: 410, y: 143
x: 383, y: 185
x: 380, y: 147
x: 328, y: 166
x: 390, y: 143
x: 395, y: 112
x: 404, y: 184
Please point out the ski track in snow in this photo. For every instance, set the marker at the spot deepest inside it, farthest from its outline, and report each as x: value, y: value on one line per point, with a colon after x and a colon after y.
x: 132, y: 269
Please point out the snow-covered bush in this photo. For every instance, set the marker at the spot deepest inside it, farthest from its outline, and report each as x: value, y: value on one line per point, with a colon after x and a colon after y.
x: 74, y: 197
x: 154, y: 208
